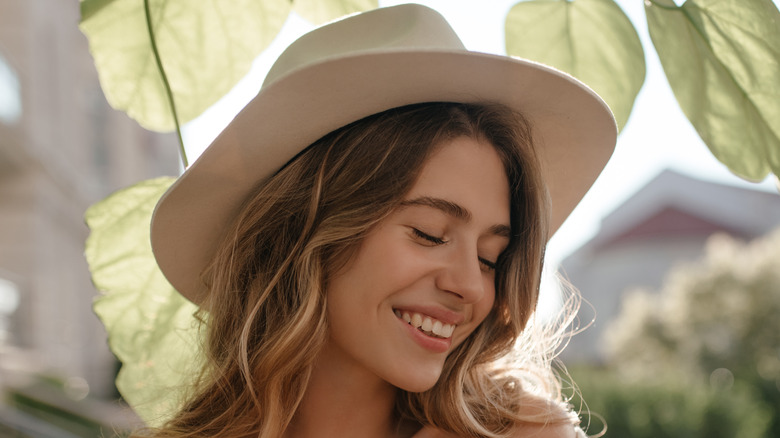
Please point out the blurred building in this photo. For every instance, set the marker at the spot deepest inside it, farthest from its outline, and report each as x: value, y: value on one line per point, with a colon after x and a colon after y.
x: 62, y: 148
x: 663, y: 224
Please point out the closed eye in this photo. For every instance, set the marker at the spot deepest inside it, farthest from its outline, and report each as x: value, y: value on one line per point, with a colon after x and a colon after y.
x: 487, y: 264
x: 427, y: 237
x: 433, y: 240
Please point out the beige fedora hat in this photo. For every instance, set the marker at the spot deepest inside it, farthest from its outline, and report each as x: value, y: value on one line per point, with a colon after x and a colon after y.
x: 350, y: 69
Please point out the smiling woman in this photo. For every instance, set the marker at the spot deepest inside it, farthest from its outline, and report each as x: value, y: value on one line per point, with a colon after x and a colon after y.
x: 365, y: 240
x: 440, y: 277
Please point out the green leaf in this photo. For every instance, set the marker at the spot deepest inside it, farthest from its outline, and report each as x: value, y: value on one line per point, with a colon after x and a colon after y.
x: 151, y: 327
x: 722, y: 60
x: 205, y: 48
x: 593, y: 40
x: 322, y: 11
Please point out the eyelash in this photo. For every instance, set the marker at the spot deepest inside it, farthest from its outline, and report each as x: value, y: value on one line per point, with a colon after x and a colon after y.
x: 428, y: 237
x: 491, y: 266
x: 488, y: 264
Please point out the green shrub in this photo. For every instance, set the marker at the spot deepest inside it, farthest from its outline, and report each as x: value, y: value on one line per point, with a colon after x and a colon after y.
x: 668, y: 408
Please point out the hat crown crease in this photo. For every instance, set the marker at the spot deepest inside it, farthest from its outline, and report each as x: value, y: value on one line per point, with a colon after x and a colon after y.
x: 423, y: 29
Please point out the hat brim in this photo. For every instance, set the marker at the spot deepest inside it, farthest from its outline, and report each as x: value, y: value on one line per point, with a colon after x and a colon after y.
x: 574, y: 131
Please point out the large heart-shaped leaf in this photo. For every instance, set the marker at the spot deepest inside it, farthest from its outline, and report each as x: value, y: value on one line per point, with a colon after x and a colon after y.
x: 593, y: 40
x: 205, y: 48
x: 151, y: 327
x: 722, y: 60
x: 322, y: 11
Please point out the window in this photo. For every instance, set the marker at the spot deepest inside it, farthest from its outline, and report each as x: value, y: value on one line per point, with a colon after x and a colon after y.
x: 9, y: 302
x: 10, y: 98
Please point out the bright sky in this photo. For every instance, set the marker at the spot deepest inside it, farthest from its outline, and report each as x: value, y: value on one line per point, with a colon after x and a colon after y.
x: 657, y: 136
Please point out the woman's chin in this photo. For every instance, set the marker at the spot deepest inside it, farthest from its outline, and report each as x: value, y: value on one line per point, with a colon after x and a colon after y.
x: 421, y: 381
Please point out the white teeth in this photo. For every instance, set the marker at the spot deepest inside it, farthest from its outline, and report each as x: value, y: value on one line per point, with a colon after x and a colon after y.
x: 436, y: 329
x: 427, y: 324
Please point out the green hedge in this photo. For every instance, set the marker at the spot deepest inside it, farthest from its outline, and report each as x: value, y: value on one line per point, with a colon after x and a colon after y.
x: 668, y: 408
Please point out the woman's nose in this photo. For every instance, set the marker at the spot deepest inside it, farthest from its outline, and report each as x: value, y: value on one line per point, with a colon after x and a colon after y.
x: 463, y: 276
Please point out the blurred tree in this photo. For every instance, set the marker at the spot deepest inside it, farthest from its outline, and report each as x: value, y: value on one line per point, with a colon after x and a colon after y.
x: 714, y: 321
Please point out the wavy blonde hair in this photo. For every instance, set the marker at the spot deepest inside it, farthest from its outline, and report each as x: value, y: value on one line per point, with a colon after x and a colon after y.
x: 266, y: 318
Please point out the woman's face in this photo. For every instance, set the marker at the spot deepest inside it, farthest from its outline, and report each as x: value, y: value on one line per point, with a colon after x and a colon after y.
x: 423, y: 279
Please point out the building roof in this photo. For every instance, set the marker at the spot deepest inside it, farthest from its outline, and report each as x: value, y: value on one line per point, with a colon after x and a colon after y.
x: 673, y: 205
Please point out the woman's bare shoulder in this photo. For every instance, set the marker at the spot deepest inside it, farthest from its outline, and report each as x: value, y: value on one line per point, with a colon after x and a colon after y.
x: 559, y: 430
x: 554, y: 430
x: 546, y: 419
x: 430, y: 432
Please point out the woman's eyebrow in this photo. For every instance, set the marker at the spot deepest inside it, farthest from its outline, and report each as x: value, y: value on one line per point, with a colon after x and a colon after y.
x: 448, y: 207
x: 452, y: 209
x: 501, y: 230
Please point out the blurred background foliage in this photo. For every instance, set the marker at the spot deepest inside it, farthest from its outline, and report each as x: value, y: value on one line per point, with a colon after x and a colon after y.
x: 164, y: 62
x: 669, y: 407
x: 49, y: 407
x: 698, y: 358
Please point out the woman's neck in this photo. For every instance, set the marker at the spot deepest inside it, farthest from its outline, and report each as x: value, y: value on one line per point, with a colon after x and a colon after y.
x: 344, y: 400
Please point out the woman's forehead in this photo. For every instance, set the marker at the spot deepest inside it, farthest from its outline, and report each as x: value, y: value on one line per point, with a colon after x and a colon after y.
x: 469, y: 175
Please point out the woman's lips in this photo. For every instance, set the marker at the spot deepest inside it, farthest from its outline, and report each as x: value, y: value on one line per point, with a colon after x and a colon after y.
x: 426, y: 340
x: 426, y: 324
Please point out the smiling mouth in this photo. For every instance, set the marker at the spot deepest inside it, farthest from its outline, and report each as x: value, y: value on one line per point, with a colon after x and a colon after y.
x: 429, y: 326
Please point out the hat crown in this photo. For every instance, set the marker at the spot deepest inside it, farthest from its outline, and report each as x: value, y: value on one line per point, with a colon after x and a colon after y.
x: 403, y: 27
x: 348, y: 70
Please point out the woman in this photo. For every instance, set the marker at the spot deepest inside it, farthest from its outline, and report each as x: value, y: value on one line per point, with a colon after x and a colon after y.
x: 365, y: 239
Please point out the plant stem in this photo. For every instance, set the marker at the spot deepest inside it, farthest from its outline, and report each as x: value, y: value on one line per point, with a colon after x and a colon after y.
x: 166, y: 85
